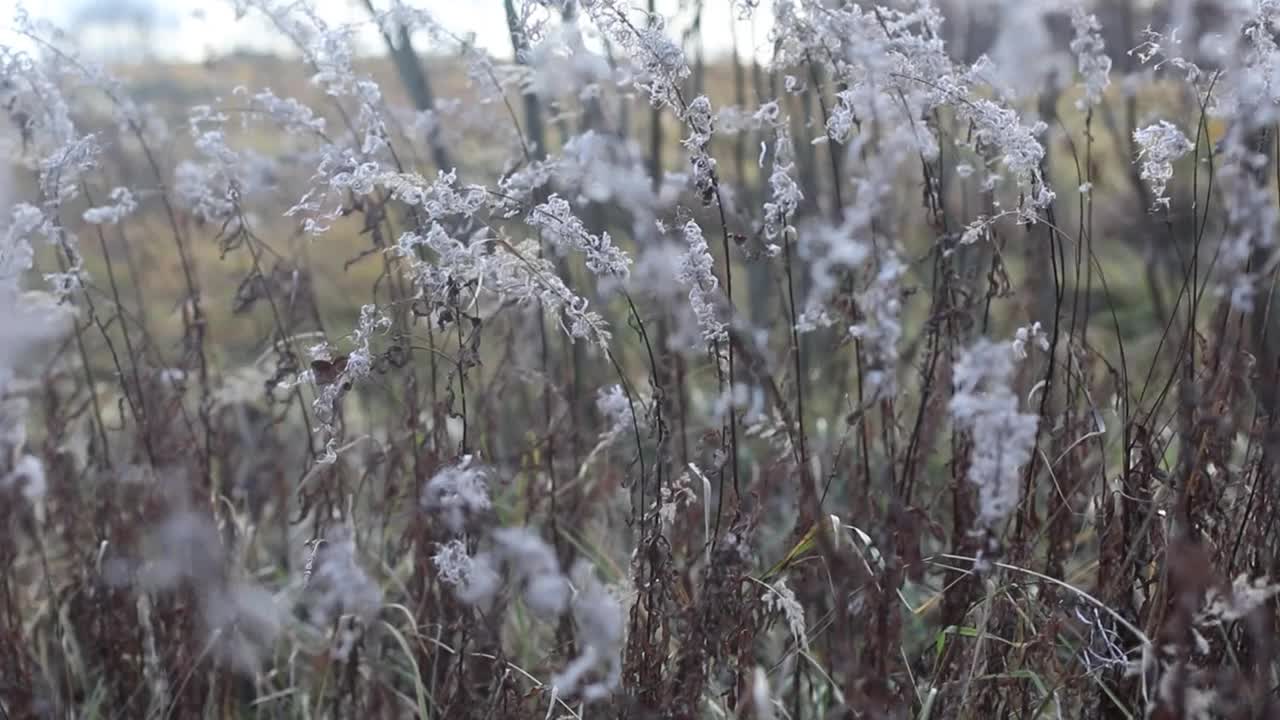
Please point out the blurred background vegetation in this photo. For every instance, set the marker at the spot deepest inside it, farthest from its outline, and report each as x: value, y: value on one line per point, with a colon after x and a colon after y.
x: 130, y: 37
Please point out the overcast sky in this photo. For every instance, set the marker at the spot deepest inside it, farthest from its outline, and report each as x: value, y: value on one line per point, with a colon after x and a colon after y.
x: 194, y: 30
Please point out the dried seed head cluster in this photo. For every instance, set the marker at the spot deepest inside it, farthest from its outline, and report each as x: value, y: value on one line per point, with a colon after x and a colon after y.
x: 1003, y: 436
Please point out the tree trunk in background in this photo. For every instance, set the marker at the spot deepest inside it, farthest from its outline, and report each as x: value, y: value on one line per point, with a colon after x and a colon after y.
x: 699, y: 65
x: 1265, y: 319
x: 1045, y: 302
x: 757, y: 272
x: 416, y: 84
x: 534, y: 132
x: 592, y: 111
x: 740, y: 98
x: 655, y: 128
